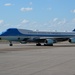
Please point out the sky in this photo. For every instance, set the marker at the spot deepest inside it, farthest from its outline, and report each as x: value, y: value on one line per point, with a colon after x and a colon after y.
x: 42, y: 15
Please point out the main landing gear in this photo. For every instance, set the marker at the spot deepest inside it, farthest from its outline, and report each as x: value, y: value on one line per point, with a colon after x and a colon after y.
x: 38, y: 44
x: 48, y: 44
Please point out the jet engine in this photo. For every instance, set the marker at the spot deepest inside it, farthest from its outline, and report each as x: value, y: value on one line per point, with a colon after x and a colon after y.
x: 72, y: 40
x: 48, y: 42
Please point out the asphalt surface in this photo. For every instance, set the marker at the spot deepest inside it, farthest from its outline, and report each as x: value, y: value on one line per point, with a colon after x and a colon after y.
x: 37, y: 60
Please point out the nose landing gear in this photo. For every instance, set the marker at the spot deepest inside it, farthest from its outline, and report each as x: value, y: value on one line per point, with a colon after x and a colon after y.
x: 10, y: 43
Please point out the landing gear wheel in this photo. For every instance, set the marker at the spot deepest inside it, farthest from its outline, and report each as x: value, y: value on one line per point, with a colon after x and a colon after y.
x: 38, y: 44
x: 48, y: 44
x: 11, y: 44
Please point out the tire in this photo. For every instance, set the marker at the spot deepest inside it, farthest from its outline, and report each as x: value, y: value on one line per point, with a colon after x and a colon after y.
x: 38, y: 44
x: 48, y: 44
x: 11, y: 44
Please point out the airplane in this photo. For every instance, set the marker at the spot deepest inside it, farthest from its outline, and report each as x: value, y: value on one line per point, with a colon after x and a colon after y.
x: 47, y: 38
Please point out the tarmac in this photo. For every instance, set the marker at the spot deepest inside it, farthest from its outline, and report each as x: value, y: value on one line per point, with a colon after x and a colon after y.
x: 28, y: 59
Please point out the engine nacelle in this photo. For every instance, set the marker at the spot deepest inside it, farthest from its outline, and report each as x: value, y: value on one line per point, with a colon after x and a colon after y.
x: 49, y: 42
x: 72, y: 40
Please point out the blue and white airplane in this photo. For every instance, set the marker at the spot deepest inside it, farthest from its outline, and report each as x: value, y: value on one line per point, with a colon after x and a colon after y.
x: 47, y: 38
